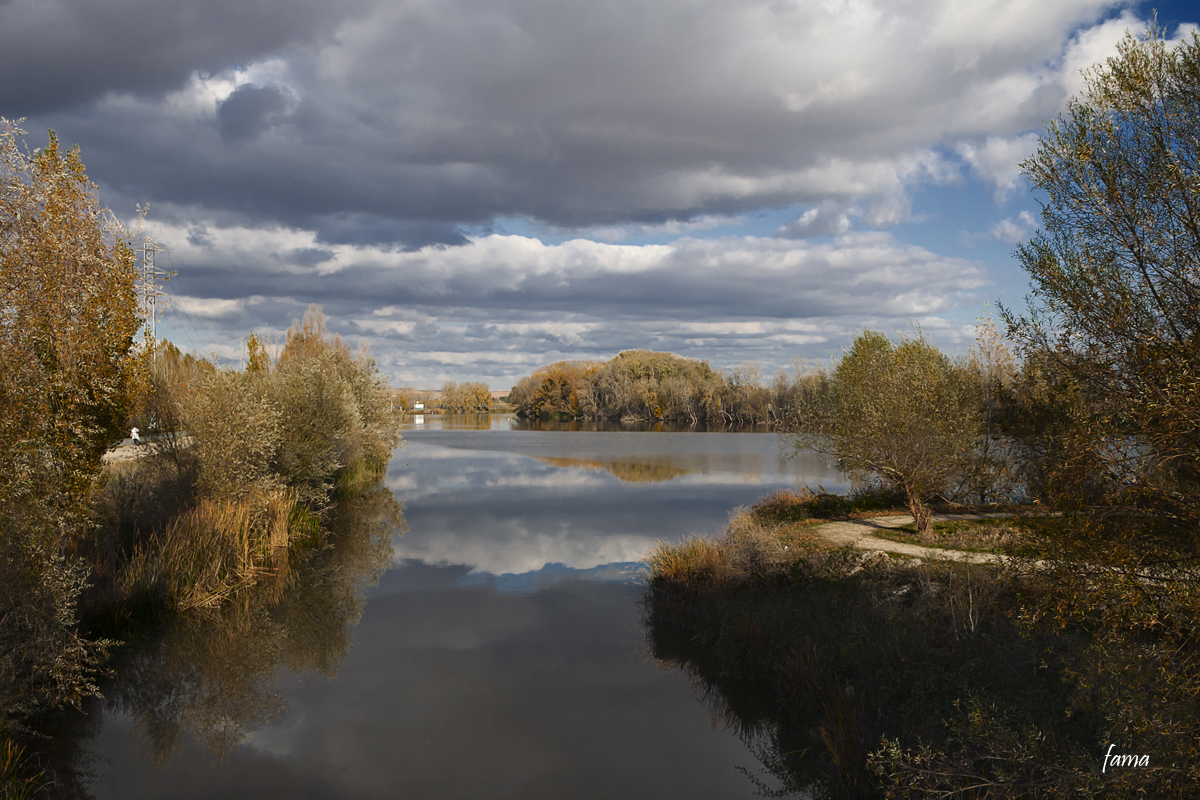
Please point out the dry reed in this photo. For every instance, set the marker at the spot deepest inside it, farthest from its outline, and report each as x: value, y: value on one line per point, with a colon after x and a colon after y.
x: 216, y: 548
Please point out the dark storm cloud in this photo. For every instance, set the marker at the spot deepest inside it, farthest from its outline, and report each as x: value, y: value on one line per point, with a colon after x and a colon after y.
x: 250, y: 110
x: 55, y: 54
x: 410, y: 120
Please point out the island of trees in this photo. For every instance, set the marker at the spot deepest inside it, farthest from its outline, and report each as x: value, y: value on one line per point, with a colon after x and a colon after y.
x: 643, y: 385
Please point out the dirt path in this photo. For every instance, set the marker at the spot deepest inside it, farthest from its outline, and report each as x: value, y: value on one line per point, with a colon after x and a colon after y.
x: 127, y: 451
x: 859, y: 533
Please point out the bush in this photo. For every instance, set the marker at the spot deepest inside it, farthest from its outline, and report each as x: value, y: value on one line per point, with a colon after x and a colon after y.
x: 270, y: 448
x: 70, y: 371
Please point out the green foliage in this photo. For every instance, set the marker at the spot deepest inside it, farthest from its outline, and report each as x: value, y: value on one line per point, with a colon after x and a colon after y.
x: 904, y: 414
x: 1114, y: 318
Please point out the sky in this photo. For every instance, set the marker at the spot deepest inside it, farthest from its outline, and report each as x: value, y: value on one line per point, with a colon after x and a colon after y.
x: 476, y: 188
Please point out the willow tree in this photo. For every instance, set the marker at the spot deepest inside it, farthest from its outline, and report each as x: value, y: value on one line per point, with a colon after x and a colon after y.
x: 1115, y: 272
x: 68, y: 318
x: 904, y: 414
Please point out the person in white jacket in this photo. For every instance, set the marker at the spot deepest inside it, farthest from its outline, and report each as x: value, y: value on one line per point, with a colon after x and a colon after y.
x: 134, y: 435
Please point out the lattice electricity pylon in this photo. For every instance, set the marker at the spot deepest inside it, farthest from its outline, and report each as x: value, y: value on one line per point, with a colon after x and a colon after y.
x: 148, y: 292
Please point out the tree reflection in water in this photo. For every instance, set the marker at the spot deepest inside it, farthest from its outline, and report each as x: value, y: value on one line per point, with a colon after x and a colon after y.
x: 624, y: 471
x: 747, y: 709
x: 212, y: 673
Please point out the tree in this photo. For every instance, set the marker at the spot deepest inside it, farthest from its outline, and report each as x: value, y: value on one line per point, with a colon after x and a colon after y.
x: 905, y: 414
x: 68, y: 318
x: 1115, y: 271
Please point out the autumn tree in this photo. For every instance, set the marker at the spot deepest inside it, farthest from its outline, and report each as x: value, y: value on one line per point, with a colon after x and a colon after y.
x: 1114, y: 316
x: 904, y: 414
x: 466, y: 398
x: 68, y: 318
x: 553, y: 390
x: 319, y: 418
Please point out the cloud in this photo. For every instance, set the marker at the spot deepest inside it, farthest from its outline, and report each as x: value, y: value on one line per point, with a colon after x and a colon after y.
x: 207, y: 307
x: 502, y: 305
x: 1013, y: 231
x: 481, y: 186
x: 250, y: 109
x: 57, y: 54
x: 998, y: 160
x: 404, y: 123
x: 829, y: 217
x: 1009, y: 230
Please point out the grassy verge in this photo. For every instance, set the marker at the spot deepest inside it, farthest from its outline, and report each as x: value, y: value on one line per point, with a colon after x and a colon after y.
x: 973, y: 536
x: 863, y: 676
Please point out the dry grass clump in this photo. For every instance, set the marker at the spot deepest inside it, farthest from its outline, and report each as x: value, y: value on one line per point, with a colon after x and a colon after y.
x: 691, y: 563
x: 755, y: 550
x: 749, y: 550
x: 218, y: 547
x: 786, y: 506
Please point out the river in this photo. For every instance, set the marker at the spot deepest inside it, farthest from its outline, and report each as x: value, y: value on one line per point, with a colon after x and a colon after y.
x: 500, y: 653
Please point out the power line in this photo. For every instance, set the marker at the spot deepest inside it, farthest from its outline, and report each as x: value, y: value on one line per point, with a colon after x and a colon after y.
x: 148, y: 286
x: 194, y: 323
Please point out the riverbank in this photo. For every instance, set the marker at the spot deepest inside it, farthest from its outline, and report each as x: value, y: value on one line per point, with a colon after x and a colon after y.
x: 876, y: 666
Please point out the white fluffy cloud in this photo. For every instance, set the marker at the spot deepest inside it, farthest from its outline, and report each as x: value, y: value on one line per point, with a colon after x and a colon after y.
x: 503, y: 304
x: 998, y: 160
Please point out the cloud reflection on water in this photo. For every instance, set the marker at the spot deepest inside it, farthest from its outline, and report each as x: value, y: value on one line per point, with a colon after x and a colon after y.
x: 555, y: 505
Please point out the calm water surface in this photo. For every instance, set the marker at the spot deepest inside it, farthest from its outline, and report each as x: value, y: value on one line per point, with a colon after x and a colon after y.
x: 500, y: 654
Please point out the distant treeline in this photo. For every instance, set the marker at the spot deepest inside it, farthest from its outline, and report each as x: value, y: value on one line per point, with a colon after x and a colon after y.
x: 454, y: 398
x: 645, y: 385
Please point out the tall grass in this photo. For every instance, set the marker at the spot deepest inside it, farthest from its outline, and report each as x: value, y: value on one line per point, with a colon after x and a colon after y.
x: 20, y: 776
x: 218, y: 547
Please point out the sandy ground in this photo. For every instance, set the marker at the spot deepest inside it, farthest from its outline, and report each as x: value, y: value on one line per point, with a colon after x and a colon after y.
x: 126, y: 451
